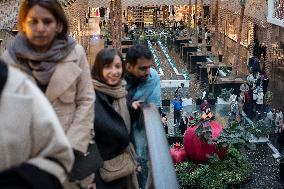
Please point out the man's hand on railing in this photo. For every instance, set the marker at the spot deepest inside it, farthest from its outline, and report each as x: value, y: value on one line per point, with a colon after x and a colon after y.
x: 136, y: 104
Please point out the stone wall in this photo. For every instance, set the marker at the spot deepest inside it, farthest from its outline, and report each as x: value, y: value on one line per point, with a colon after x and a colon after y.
x: 8, y: 13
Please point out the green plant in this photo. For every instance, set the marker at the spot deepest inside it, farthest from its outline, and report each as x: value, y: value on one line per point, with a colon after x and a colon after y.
x: 260, y: 129
x: 225, y: 94
x: 216, y: 174
x: 226, y: 71
x: 236, y: 134
x: 107, y: 36
x: 204, y: 131
x: 268, y: 98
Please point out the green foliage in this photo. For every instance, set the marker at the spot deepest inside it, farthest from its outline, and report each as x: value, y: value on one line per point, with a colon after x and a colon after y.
x: 204, y: 131
x: 268, y: 98
x: 226, y: 71
x: 107, y: 35
x: 231, y: 171
x: 260, y: 129
x: 236, y: 134
x: 225, y: 94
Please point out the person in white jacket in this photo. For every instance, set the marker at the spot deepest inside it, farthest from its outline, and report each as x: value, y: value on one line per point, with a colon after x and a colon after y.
x: 30, y: 132
x: 259, y: 101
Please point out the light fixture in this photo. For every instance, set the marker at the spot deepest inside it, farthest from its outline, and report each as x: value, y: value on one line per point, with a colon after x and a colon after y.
x: 15, y: 31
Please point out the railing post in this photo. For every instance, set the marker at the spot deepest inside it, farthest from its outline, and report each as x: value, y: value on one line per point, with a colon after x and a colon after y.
x: 163, y: 171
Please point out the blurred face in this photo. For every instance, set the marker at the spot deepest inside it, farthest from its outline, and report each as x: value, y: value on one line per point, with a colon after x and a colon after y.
x: 112, y: 73
x: 141, y: 70
x: 40, y: 28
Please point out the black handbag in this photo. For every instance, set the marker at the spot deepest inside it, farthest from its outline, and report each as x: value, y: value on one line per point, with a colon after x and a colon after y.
x: 86, y: 164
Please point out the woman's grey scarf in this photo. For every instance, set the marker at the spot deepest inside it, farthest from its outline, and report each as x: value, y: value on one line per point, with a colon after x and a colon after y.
x: 118, y: 93
x: 40, y: 65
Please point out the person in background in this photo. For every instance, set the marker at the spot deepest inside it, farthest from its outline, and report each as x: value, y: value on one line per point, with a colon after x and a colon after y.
x: 112, y: 125
x: 180, y: 91
x: 58, y: 65
x: 143, y: 86
x: 278, y: 119
x: 254, y: 97
x: 264, y: 81
x: 100, y: 25
x: 208, y: 37
x: 241, y: 102
x: 250, y: 80
x: 263, y: 50
x: 244, y: 87
x: 270, y: 117
x: 143, y: 82
x: 177, y: 106
x: 255, y: 65
x: 279, y: 129
x: 205, y: 107
x: 183, y: 123
x: 34, y: 148
x: 164, y: 120
x: 234, y: 108
x: 259, y: 100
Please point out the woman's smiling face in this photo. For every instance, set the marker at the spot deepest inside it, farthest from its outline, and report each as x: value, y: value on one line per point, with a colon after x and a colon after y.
x: 112, y: 73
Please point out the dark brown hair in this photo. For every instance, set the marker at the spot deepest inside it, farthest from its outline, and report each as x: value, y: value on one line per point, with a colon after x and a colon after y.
x: 138, y: 51
x: 52, y: 6
x: 105, y: 57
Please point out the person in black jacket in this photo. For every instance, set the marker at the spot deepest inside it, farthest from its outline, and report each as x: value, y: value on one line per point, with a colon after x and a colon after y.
x: 183, y: 123
x: 112, y: 120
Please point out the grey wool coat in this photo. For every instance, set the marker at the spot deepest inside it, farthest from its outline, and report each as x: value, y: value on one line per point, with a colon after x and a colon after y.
x: 30, y: 131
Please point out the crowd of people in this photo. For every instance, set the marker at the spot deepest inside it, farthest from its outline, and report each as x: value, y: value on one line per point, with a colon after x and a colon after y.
x: 64, y: 124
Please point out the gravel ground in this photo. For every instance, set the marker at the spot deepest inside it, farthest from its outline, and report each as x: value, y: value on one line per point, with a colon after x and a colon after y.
x: 265, y: 168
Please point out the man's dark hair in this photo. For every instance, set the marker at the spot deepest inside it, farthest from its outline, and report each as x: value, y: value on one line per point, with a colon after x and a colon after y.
x: 137, y: 51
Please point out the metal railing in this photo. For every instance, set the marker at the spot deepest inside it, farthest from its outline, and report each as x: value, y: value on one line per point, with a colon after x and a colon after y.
x: 163, y: 172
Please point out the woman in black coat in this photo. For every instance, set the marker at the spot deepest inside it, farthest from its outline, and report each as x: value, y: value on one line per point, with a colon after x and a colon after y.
x: 112, y: 119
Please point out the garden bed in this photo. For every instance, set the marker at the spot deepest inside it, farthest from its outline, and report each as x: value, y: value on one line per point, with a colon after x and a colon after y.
x: 232, y: 172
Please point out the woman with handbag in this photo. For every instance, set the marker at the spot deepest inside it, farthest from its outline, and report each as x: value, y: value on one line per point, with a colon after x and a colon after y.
x: 112, y: 124
x: 58, y: 65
